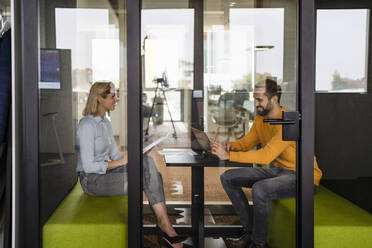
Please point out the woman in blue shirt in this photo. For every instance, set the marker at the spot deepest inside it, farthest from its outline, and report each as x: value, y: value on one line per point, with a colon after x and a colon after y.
x: 102, y: 168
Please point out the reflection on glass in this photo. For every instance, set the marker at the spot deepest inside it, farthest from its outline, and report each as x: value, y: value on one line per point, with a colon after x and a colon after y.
x: 167, y: 48
x: 94, y: 45
x: 341, y: 50
x: 244, y: 46
x: 250, y: 50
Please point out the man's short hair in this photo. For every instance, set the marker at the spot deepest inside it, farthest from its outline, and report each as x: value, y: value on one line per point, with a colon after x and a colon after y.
x: 271, y: 88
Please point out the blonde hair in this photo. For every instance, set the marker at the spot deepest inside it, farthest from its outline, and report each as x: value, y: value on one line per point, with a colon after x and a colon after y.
x: 98, y: 89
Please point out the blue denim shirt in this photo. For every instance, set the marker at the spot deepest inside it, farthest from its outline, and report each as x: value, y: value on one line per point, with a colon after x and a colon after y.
x: 95, y: 144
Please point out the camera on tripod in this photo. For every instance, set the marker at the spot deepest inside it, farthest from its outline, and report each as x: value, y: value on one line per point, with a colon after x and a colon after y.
x: 163, y: 80
x: 161, y: 84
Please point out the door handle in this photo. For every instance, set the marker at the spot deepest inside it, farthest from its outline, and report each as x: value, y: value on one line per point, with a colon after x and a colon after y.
x: 279, y: 121
x: 290, y: 122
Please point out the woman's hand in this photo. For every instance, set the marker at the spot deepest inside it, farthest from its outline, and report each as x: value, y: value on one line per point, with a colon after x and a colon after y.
x: 220, y: 151
x: 120, y: 162
x: 124, y: 160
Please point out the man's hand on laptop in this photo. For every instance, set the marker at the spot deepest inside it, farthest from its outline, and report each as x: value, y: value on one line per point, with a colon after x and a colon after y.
x: 228, y: 147
x: 220, y: 151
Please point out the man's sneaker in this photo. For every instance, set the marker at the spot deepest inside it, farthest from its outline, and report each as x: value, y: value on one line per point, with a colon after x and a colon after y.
x: 243, y: 242
x: 253, y: 245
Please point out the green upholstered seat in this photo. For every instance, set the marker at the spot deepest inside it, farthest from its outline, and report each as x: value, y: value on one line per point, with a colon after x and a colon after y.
x: 338, y: 223
x: 87, y: 221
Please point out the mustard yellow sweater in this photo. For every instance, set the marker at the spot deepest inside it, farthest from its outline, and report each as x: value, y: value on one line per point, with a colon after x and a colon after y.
x: 276, y: 151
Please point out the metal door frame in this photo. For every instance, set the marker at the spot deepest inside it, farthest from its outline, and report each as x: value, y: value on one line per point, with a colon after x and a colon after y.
x: 305, y: 105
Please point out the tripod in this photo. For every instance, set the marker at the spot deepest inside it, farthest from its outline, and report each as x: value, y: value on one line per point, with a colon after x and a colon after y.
x: 160, y: 87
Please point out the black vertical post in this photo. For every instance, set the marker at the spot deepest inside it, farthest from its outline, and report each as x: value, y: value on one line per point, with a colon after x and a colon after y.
x: 306, y: 106
x: 134, y: 111
x: 197, y: 210
x: 197, y: 103
x: 26, y: 132
x: 197, y: 173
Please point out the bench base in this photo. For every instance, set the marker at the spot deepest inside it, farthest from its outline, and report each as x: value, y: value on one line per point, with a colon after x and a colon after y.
x: 87, y: 221
x: 338, y: 223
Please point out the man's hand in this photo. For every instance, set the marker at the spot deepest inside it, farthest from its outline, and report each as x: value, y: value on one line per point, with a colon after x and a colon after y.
x: 220, y: 151
x: 228, y: 147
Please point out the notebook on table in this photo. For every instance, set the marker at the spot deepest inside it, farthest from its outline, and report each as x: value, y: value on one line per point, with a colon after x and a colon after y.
x: 155, y: 143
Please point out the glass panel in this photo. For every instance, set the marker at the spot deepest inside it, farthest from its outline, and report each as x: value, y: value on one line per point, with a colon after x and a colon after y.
x: 341, y: 50
x: 167, y: 41
x: 342, y: 134
x: 82, y: 139
x: 247, y: 45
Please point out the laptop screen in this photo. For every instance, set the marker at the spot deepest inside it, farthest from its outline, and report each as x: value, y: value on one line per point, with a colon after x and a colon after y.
x: 200, y: 140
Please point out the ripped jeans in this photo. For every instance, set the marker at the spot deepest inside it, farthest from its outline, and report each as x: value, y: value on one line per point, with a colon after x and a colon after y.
x: 115, y: 182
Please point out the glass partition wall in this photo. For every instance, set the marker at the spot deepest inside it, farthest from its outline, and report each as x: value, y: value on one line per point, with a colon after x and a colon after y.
x: 200, y: 61
x: 167, y: 63
x: 343, y: 89
x: 81, y: 43
x: 244, y: 43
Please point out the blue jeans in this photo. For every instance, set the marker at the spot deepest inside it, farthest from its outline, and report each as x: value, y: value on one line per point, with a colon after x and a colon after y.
x: 267, y: 184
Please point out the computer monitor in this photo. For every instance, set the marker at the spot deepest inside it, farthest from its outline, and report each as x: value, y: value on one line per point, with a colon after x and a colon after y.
x: 50, y: 69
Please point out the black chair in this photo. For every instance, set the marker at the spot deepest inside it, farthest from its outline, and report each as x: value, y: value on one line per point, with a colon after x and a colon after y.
x: 231, y: 113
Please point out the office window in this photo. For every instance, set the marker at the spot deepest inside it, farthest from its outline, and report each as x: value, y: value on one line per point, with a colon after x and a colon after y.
x: 341, y: 50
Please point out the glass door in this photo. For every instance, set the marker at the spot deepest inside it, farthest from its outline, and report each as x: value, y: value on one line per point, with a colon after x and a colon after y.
x: 249, y: 55
x: 167, y: 63
x: 250, y: 74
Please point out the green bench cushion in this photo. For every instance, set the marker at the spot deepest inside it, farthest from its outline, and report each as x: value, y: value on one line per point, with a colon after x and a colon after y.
x: 86, y: 221
x: 337, y: 223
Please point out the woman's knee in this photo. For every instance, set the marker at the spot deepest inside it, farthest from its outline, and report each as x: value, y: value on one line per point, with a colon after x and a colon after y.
x: 149, y: 164
x: 148, y: 159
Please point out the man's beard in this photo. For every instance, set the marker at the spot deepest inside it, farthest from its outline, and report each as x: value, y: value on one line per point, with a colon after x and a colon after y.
x: 265, y: 111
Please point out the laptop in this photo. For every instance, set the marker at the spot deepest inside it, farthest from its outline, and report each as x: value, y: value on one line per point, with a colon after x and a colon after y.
x: 201, y: 144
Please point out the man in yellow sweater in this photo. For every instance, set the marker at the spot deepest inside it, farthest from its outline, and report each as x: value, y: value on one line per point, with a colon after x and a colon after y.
x: 278, y: 181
